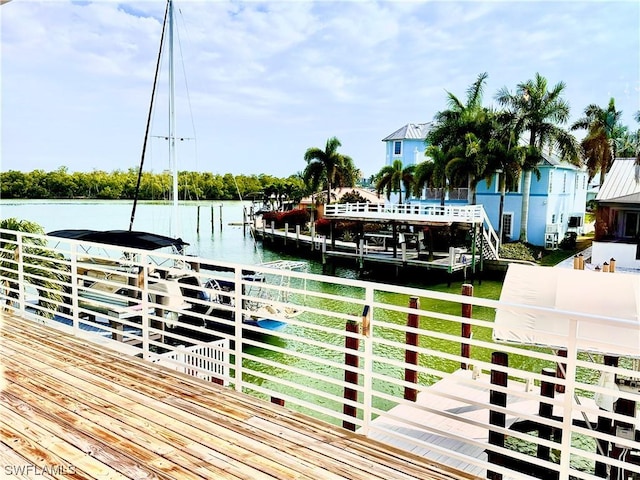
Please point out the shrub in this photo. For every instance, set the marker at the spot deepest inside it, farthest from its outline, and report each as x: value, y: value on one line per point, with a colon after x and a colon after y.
x: 292, y: 217
x: 517, y: 251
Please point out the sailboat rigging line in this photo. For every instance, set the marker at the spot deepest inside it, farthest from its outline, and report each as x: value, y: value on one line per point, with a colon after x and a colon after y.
x: 149, y: 117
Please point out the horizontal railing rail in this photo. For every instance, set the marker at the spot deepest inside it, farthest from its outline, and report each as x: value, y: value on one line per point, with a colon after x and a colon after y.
x: 413, y: 367
x: 462, y: 213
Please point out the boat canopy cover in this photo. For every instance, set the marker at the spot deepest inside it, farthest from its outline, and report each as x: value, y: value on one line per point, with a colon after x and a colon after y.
x: 123, y: 238
x: 613, y: 295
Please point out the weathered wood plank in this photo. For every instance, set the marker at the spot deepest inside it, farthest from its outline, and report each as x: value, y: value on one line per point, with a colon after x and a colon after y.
x: 68, y: 401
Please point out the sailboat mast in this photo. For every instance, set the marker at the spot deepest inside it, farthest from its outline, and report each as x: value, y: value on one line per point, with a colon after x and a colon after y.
x: 172, y: 130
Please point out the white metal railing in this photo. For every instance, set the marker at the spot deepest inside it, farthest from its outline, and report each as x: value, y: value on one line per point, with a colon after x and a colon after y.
x: 383, y: 360
x: 209, y: 362
x: 461, y: 213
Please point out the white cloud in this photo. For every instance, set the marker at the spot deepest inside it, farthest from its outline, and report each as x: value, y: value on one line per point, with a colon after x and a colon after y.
x: 280, y: 76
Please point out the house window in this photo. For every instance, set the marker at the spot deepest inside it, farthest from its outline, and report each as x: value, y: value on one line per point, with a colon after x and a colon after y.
x: 553, y: 218
x: 397, y: 148
x: 561, y: 217
x: 507, y: 225
x: 631, y: 219
x: 564, y: 183
x: 584, y: 182
x: 550, y: 182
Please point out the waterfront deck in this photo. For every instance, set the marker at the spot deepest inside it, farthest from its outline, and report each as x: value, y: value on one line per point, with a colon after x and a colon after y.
x: 69, y: 406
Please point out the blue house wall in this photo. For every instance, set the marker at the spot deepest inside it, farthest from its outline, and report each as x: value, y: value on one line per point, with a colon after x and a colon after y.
x: 559, y: 194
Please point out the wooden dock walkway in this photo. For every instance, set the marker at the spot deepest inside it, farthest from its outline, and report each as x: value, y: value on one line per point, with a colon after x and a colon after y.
x: 72, y: 409
x: 453, y: 409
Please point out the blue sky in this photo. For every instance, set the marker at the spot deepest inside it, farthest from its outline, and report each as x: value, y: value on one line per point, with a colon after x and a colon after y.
x: 267, y: 80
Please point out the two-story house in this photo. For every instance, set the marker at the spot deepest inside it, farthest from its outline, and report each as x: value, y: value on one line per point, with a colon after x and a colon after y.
x: 557, y: 200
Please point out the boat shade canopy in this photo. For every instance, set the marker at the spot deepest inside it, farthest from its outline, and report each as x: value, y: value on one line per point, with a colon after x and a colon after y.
x: 123, y: 238
x: 578, y: 291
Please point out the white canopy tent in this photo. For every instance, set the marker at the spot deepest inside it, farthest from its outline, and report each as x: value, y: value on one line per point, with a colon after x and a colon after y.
x: 580, y: 291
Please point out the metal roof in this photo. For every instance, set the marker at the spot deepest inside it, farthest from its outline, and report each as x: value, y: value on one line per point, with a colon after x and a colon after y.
x: 620, y: 181
x: 411, y: 131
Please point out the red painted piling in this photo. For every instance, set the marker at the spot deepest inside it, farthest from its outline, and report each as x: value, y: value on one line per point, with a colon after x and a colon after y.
x: 545, y: 410
x: 467, y: 311
x: 351, y: 360
x: 497, y: 418
x: 410, y: 355
x: 560, y: 369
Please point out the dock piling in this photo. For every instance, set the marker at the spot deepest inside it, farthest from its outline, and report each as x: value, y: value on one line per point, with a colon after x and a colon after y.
x: 497, y: 418
x: 352, y: 342
x: 411, y: 356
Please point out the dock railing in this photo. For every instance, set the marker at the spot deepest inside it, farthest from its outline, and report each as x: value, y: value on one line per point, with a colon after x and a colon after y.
x: 415, y: 368
x: 461, y: 213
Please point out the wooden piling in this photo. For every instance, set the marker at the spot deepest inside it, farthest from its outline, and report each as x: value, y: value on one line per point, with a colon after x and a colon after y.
x: 545, y: 410
x: 212, y: 220
x: 220, y: 217
x: 497, y: 418
x: 410, y: 355
x: 612, y: 265
x: 352, y: 342
x: 560, y: 369
x: 198, y: 221
x: 604, y: 425
x: 467, y: 311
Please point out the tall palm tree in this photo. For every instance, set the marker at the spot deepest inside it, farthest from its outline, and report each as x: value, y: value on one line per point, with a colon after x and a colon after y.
x: 463, y: 132
x: 43, y: 268
x: 506, y: 158
x: 599, y: 145
x: 460, y: 117
x: 328, y: 167
x: 432, y: 172
x: 394, y: 177
x: 541, y: 111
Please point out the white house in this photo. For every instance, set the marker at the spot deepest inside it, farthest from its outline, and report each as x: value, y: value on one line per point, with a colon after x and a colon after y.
x: 617, y: 229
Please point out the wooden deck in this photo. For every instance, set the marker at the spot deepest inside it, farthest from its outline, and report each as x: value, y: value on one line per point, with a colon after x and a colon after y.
x: 73, y: 409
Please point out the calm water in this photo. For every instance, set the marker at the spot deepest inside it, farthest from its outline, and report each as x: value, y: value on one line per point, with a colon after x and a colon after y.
x: 230, y: 243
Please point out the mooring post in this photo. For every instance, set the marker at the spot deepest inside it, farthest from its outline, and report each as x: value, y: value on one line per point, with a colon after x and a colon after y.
x: 411, y: 355
x: 220, y: 217
x: 467, y: 311
x: 298, y: 235
x: 497, y: 418
x: 560, y: 369
x: 198, y: 221
x: 352, y: 342
x: 212, y: 220
x: 604, y: 425
x: 286, y: 232
x: 545, y: 410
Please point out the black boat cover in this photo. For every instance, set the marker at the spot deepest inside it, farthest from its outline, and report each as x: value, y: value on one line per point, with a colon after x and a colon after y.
x: 123, y: 238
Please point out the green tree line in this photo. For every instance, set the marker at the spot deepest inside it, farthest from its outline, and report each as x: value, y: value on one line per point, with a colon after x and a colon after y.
x: 121, y: 185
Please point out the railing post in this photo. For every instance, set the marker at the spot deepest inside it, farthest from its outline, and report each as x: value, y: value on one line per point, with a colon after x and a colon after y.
x: 467, y: 311
x: 239, y: 299
x: 410, y: 354
x: 74, y: 289
x: 19, y: 258
x: 352, y: 342
x: 497, y: 418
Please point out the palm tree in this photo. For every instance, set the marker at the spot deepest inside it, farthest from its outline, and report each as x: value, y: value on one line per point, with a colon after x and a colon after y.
x: 599, y: 145
x: 506, y: 158
x: 394, y: 177
x: 42, y: 268
x: 463, y: 132
x: 432, y: 172
x: 452, y: 124
x: 328, y: 167
x: 541, y: 111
